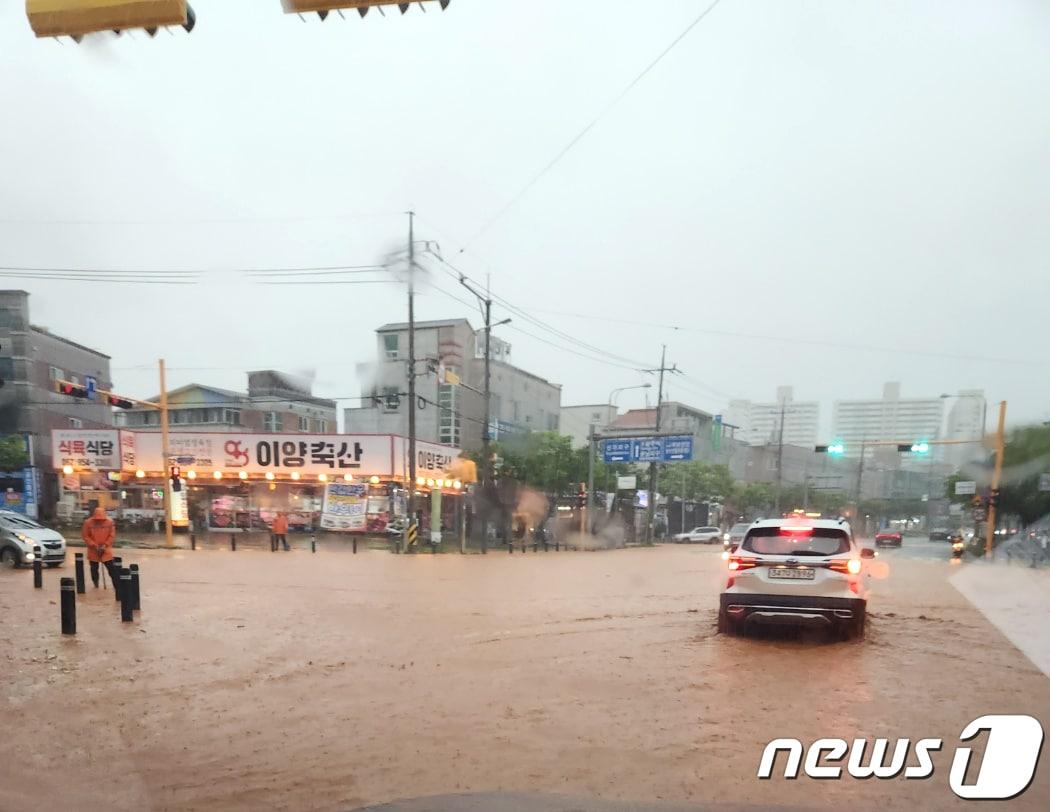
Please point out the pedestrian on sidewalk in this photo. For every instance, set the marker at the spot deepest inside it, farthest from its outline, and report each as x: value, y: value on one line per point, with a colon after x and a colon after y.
x: 99, y: 534
x: 280, y: 529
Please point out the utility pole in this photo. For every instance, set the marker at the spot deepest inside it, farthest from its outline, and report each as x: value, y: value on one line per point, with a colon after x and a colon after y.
x: 169, y: 538
x: 780, y: 456
x: 651, y: 511
x: 997, y: 473
x: 486, y: 434
x: 411, y: 375
x: 590, y: 480
x: 860, y: 479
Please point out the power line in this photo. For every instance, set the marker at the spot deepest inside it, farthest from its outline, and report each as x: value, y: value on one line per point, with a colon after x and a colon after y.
x: 590, y: 126
x: 620, y: 359
x: 199, y: 221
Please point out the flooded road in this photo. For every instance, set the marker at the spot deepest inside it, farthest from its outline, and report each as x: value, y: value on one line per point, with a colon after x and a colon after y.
x: 329, y: 681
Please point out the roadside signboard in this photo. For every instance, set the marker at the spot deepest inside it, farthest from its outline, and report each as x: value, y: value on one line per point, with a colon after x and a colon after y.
x: 1044, y: 482
x: 965, y: 488
x: 648, y: 449
x: 979, y: 514
x: 626, y: 483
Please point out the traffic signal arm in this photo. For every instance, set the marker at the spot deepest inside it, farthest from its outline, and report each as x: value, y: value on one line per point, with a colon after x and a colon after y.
x: 80, y: 391
x: 74, y: 18
x: 322, y: 7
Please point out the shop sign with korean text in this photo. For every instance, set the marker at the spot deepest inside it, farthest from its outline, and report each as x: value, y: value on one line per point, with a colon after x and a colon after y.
x: 86, y: 450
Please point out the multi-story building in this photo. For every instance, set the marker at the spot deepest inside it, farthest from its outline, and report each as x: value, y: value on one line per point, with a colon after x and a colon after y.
x: 32, y: 358
x: 759, y: 423
x: 966, y: 421
x: 576, y: 421
x: 886, y: 419
x: 449, y: 412
x: 275, y: 402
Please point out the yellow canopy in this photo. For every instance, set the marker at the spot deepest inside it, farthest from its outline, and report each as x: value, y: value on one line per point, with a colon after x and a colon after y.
x: 72, y: 18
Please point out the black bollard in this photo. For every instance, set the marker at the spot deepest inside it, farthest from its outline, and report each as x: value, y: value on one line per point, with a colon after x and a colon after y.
x: 135, y: 604
x: 233, y: 543
x: 355, y: 545
x: 38, y: 568
x: 127, y: 613
x: 69, y: 605
x: 535, y: 546
x: 484, y: 543
x: 79, y: 568
x: 523, y: 547
x: 546, y: 545
x: 557, y: 545
x: 117, y: 563
x: 273, y: 543
x: 193, y: 541
x: 510, y: 547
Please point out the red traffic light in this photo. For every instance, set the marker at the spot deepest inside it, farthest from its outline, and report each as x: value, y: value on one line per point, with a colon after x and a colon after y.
x: 71, y: 389
x: 119, y: 402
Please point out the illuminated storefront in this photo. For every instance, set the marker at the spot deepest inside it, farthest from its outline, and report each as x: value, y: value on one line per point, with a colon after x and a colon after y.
x: 239, y: 482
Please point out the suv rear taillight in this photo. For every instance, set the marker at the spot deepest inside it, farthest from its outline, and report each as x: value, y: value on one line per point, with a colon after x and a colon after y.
x: 739, y: 562
x: 850, y: 566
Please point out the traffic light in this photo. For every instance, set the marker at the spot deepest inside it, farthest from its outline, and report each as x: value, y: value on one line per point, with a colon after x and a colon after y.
x: 119, y: 402
x: 835, y: 449
x: 74, y: 18
x: 176, y: 479
x: 581, y: 496
x: 72, y: 390
x: 993, y: 498
x: 921, y: 447
x: 322, y: 7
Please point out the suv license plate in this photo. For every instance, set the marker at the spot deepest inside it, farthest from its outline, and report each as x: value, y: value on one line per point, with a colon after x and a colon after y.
x: 792, y: 574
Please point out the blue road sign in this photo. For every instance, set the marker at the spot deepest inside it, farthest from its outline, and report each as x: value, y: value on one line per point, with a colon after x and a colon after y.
x: 91, y: 384
x: 649, y: 449
x: 617, y: 450
x: 678, y: 449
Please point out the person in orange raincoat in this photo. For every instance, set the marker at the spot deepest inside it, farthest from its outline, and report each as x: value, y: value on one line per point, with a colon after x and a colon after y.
x: 280, y: 529
x: 99, y: 534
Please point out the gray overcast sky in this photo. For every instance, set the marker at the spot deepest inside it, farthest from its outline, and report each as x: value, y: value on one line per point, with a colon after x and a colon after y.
x: 858, y: 173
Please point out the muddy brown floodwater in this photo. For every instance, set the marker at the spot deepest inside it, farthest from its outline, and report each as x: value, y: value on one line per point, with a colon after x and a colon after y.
x: 329, y: 681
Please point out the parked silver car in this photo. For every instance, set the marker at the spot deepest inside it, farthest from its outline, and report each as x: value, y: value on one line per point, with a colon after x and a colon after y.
x: 19, y: 535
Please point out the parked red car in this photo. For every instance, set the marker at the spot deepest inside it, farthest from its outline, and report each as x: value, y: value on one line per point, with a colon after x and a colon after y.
x: 887, y: 538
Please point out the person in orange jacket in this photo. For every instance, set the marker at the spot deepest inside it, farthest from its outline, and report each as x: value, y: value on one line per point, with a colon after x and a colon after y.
x: 279, y: 528
x: 99, y: 534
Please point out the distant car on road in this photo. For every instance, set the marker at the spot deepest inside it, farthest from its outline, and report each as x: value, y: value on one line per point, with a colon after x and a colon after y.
x: 889, y: 538
x: 800, y: 572
x: 732, y: 539
x: 940, y: 534
x: 19, y: 535
x: 699, y: 535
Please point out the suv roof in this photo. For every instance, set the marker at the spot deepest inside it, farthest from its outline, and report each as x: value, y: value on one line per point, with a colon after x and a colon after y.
x: 828, y: 523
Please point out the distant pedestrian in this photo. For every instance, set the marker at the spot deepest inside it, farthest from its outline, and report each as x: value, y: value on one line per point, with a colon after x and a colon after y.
x: 280, y: 529
x: 99, y: 534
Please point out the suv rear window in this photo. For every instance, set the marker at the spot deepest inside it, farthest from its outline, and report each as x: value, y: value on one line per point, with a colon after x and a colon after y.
x: 738, y: 529
x: 777, y: 541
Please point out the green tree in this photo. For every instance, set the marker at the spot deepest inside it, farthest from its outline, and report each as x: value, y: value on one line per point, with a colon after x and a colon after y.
x: 1025, y: 457
x: 13, y: 452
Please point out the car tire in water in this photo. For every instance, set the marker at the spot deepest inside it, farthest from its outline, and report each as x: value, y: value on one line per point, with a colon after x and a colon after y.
x: 726, y: 625
x: 853, y: 629
x: 9, y: 558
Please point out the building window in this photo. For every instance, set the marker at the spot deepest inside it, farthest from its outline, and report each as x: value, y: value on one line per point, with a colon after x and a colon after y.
x: 231, y: 416
x: 55, y: 374
x: 321, y: 426
x: 596, y: 417
x: 448, y: 415
x: 272, y: 421
x: 552, y: 422
x: 390, y: 345
x: 514, y: 409
x: 304, y: 423
x: 76, y: 423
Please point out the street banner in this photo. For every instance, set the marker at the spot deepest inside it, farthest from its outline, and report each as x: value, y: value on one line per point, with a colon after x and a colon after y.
x: 965, y: 488
x: 345, y: 506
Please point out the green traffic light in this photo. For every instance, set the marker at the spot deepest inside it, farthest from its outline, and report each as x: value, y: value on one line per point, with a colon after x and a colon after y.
x: 837, y: 450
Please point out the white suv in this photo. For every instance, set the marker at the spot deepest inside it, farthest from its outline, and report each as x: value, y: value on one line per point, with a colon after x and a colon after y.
x: 798, y: 572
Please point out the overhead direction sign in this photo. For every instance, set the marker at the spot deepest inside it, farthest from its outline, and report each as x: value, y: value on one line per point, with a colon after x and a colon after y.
x: 677, y: 448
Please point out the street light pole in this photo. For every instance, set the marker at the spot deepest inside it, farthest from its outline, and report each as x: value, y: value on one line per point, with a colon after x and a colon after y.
x: 411, y: 377
x: 997, y: 473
